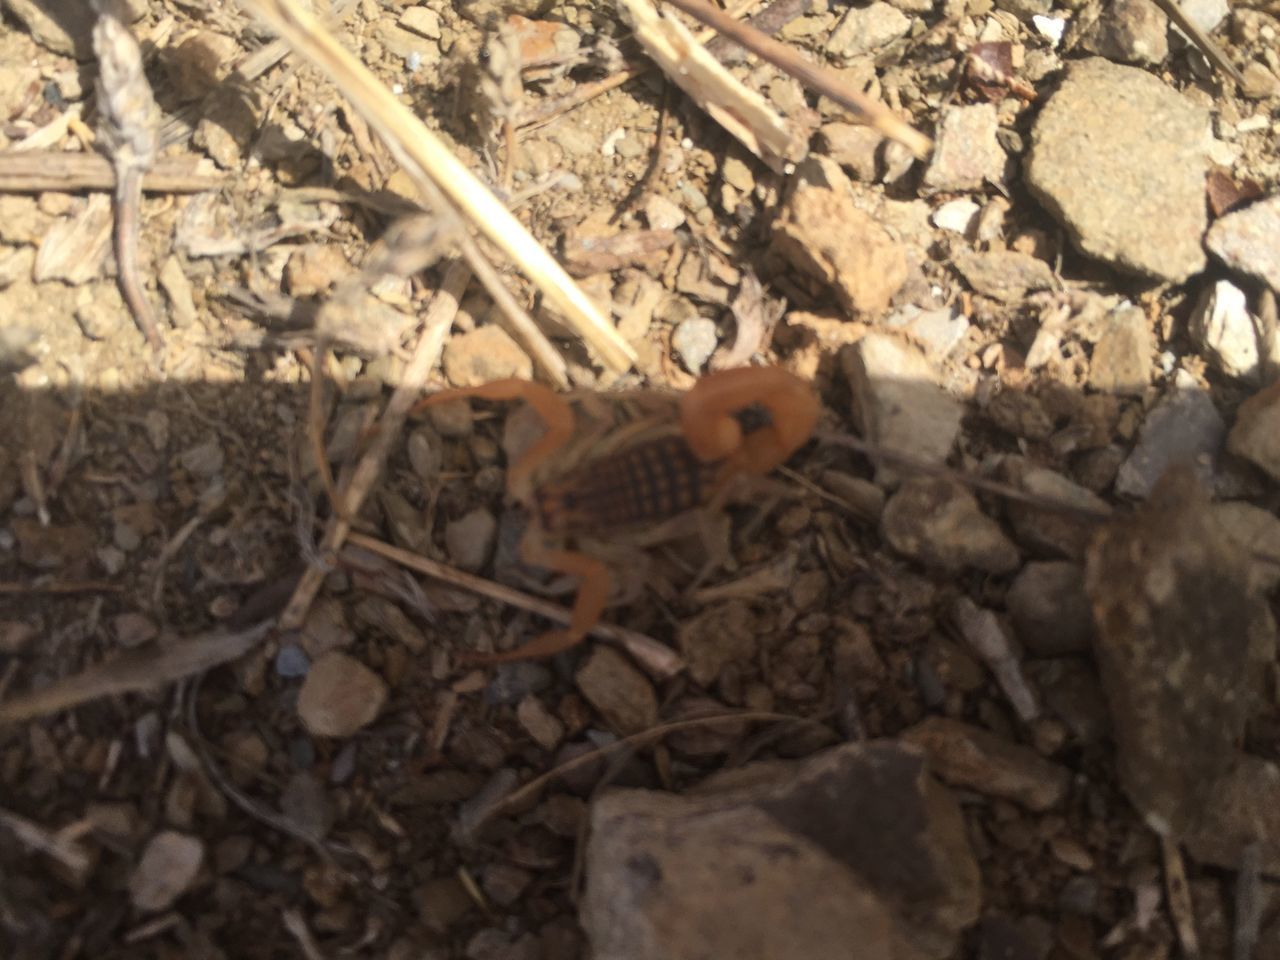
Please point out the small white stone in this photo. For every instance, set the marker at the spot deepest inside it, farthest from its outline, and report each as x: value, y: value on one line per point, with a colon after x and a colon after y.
x: 695, y: 341
x: 1051, y: 28
x: 956, y: 215
x: 662, y: 214
x: 610, y: 146
x: 1224, y: 330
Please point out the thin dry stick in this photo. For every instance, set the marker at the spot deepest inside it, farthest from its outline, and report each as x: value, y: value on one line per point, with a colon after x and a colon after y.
x: 1178, y: 892
x: 417, y: 149
x: 143, y: 669
x: 519, y: 797
x: 130, y: 127
x: 534, y: 118
x: 71, y: 172
x: 60, y: 586
x: 35, y: 837
x: 1206, y: 46
x: 440, y: 314
x: 654, y: 656
x: 811, y: 74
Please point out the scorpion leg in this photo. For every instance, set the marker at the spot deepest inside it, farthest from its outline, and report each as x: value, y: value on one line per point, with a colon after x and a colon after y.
x: 713, y: 432
x: 555, y: 411
x: 587, y: 608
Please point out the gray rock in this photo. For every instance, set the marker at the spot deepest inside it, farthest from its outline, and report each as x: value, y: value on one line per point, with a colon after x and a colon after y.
x: 1184, y: 641
x: 470, y: 538
x: 937, y: 522
x: 865, y: 30
x: 1245, y: 241
x: 778, y: 870
x: 1256, y: 433
x: 1131, y: 31
x: 897, y: 402
x: 1224, y: 332
x: 1004, y: 274
x: 1126, y: 181
x: 1049, y: 609
x: 1121, y: 360
x: 1184, y: 428
x: 937, y: 331
x: 967, y: 155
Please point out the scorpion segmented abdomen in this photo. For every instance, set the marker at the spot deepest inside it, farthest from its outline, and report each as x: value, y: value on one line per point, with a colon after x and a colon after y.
x: 647, y: 483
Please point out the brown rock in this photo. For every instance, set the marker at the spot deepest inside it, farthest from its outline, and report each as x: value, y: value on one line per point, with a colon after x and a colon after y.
x: 822, y: 233
x: 620, y: 692
x: 339, y: 696
x: 482, y: 355
x: 51, y: 547
x: 1050, y: 610
x: 937, y: 522
x: 778, y: 869
x: 717, y: 637
x: 1240, y: 811
x: 1121, y: 361
x: 1004, y: 274
x: 1184, y: 640
x: 971, y: 757
x: 1256, y: 433
x: 1062, y: 532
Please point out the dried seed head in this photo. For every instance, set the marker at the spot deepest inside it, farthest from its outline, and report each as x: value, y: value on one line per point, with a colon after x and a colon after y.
x: 130, y: 118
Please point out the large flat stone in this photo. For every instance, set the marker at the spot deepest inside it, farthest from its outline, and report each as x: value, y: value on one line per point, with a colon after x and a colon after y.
x: 1120, y: 159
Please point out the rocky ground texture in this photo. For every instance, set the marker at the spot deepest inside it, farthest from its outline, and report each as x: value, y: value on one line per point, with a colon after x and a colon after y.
x: 1001, y: 684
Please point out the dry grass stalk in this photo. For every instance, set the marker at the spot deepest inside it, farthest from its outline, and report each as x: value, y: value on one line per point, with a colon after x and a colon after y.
x: 43, y: 170
x: 1212, y: 52
x: 811, y: 74
x: 777, y: 141
x: 440, y: 314
x: 527, y: 791
x: 63, y: 848
x: 658, y: 659
x: 419, y: 151
x: 144, y: 669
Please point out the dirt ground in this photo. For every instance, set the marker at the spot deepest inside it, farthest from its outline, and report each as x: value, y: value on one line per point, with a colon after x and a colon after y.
x: 329, y: 790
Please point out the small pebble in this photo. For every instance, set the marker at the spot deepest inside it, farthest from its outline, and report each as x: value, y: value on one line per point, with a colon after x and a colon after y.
x: 695, y: 340
x: 292, y: 662
x: 165, y: 872
x: 340, y: 696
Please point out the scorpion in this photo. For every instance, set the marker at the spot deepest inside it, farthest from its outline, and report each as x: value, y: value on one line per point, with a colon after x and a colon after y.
x: 731, y: 424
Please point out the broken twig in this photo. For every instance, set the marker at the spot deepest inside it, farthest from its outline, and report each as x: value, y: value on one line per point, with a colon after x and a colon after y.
x: 130, y: 127
x: 658, y: 659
